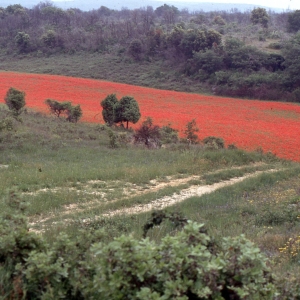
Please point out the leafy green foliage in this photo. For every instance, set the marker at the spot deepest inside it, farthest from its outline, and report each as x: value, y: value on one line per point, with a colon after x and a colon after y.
x: 49, y: 38
x: 113, y: 139
x: 135, y: 48
x: 188, y: 265
x: 208, y: 62
x: 190, y: 132
x: 7, y: 124
x: 114, y: 111
x: 15, y: 100
x: 213, y: 143
x: 260, y: 16
x: 57, y: 108
x: 74, y: 113
x: 293, y: 21
x: 148, y: 134
x: 168, y: 134
x: 158, y: 217
x: 109, y: 106
x: 22, y: 40
x: 127, y: 111
x: 291, y: 53
x: 16, y: 244
x: 193, y: 40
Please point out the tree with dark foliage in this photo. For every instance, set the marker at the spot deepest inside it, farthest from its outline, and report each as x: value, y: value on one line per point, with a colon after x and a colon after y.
x: 148, y: 133
x: 15, y: 100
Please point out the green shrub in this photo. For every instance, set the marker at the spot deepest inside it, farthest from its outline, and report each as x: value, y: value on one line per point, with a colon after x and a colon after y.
x: 148, y: 134
x: 168, y: 134
x: 118, y: 139
x: 7, y: 124
x: 190, y: 132
x: 113, y: 139
x: 275, y: 46
x: 188, y: 265
x: 232, y: 147
x: 15, y: 100
x: 213, y: 143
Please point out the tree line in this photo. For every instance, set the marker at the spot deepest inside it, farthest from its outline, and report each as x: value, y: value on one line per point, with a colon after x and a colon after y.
x: 211, y: 48
x: 15, y: 101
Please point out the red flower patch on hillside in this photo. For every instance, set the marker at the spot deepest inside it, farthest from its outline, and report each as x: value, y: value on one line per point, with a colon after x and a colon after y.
x: 249, y: 124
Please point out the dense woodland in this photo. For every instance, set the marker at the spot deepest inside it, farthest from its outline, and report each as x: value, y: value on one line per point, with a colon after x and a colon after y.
x: 252, y: 54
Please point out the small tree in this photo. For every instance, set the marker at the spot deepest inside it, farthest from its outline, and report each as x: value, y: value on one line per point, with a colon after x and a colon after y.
x: 127, y: 111
x: 22, y: 40
x: 190, y: 132
x: 74, y: 113
x: 135, y: 48
x: 213, y: 143
x: 49, y: 38
x: 148, y: 133
x: 293, y: 21
x: 109, y: 105
x: 57, y: 108
x: 168, y: 134
x: 260, y: 16
x: 114, y: 111
x: 15, y: 100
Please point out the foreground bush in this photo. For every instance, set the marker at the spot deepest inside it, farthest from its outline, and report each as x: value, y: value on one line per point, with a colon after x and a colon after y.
x: 189, y: 265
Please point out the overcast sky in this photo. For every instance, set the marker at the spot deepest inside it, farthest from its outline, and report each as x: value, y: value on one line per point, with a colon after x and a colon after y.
x: 285, y: 4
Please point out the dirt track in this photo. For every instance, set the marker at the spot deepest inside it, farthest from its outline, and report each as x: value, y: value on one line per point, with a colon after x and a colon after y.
x: 160, y: 203
x: 183, y: 195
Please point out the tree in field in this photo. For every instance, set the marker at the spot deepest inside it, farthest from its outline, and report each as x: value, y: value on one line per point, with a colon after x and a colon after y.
x: 58, y: 108
x: 15, y: 100
x: 260, y: 16
x: 74, y: 113
x: 190, y: 132
x: 109, y: 106
x: 114, y: 111
x: 148, y: 133
x: 127, y: 111
x: 293, y: 21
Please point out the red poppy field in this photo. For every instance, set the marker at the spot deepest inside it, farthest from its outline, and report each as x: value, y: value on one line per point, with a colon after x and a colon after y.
x: 249, y: 124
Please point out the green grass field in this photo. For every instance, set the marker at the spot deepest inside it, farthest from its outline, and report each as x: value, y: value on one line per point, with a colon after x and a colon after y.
x: 72, y: 179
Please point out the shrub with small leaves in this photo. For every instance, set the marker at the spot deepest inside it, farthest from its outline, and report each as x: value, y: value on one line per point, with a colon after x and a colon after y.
x: 15, y: 100
x: 113, y: 139
x: 190, y: 132
x: 74, y: 113
x: 148, y: 134
x: 188, y: 265
x: 213, y: 143
x: 232, y: 147
x: 168, y: 134
x: 7, y: 124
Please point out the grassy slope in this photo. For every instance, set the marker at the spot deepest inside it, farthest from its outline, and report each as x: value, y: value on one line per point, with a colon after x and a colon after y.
x: 70, y: 177
x: 154, y: 73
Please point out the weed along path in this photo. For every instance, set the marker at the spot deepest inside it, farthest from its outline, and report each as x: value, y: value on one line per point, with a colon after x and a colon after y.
x: 107, y: 210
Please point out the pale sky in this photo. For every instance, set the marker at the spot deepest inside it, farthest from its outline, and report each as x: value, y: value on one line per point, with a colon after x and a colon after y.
x: 285, y: 4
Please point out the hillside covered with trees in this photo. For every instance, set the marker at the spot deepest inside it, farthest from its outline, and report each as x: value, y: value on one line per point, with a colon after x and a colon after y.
x: 252, y: 54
